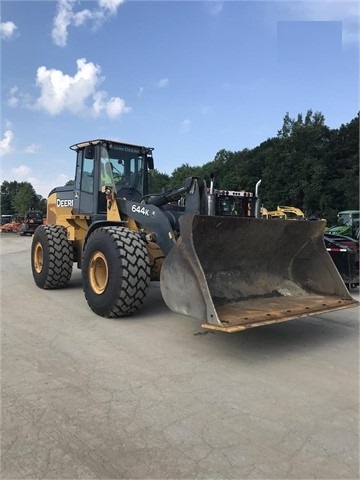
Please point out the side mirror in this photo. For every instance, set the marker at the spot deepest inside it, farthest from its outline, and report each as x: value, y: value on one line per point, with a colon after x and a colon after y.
x: 89, y: 151
x: 150, y: 163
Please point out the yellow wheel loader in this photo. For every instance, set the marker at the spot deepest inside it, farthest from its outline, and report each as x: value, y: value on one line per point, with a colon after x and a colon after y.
x: 216, y: 260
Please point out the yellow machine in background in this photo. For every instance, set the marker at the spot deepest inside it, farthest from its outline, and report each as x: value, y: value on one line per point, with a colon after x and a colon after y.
x: 291, y: 213
x: 270, y: 214
x: 283, y: 212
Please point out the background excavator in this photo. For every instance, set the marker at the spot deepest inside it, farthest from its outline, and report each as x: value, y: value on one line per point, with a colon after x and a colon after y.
x: 283, y: 212
x: 215, y: 258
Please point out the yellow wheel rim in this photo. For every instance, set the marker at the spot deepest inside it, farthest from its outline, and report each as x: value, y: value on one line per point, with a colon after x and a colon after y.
x: 38, y: 257
x: 98, y: 273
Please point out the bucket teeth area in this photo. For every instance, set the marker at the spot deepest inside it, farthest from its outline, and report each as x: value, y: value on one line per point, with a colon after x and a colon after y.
x: 236, y: 316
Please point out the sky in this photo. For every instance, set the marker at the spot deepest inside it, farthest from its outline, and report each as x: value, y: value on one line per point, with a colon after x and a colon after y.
x: 188, y: 78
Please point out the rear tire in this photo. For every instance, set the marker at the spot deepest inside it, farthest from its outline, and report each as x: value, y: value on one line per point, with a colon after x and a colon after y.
x: 51, y: 257
x: 115, y: 271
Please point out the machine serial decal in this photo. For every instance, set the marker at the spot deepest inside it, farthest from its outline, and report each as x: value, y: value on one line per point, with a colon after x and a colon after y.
x: 142, y: 210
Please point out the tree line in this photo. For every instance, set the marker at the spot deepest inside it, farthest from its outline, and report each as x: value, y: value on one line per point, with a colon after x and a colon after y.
x: 307, y: 165
x: 19, y: 197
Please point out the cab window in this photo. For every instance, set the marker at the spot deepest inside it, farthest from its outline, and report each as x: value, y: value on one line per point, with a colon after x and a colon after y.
x: 87, y: 179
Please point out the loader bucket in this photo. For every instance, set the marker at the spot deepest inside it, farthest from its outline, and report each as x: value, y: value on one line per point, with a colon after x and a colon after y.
x: 237, y: 273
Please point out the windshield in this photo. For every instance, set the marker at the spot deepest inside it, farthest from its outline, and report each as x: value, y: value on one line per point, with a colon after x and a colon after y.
x: 348, y: 218
x: 122, y: 166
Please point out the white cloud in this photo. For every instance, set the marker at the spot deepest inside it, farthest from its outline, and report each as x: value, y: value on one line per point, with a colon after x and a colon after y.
x: 77, y: 94
x: 17, y: 98
x: 140, y: 92
x: 8, y: 124
x: 164, y: 82
x: 44, y: 186
x: 185, y: 125
x: 66, y: 17
x: 347, y: 12
x: 111, y: 5
x: 61, y: 22
x: 13, y: 102
x: 113, y: 107
x: 32, y: 148
x: 7, y: 29
x: 22, y: 171
x: 6, y: 146
x: 13, y: 99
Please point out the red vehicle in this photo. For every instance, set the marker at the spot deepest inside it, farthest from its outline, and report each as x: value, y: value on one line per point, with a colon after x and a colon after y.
x: 11, y: 227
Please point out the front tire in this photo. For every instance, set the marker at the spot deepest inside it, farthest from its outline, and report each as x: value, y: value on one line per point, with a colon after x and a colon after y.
x: 115, y: 271
x: 51, y: 257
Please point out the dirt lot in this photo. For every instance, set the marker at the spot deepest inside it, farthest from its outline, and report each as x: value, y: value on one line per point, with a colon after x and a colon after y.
x: 155, y: 396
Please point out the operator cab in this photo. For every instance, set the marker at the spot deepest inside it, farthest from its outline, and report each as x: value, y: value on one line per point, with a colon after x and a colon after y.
x: 109, y: 163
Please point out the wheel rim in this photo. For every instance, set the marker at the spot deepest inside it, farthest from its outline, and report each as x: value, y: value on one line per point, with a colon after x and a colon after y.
x: 38, y: 257
x: 98, y: 273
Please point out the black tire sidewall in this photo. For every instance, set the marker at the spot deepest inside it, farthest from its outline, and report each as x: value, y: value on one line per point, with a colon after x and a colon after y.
x: 102, y: 242
x: 126, y: 288
x: 57, y: 254
x: 41, y: 237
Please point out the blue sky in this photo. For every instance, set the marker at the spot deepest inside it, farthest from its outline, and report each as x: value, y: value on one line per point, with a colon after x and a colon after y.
x: 188, y: 78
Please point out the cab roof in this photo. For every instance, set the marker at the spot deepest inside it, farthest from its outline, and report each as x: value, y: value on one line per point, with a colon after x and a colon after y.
x: 79, y: 146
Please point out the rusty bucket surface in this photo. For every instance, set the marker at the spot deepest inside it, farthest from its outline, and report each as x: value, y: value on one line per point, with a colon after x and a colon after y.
x: 237, y: 273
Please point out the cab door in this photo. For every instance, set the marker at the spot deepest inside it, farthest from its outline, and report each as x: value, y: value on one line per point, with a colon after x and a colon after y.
x: 85, y: 182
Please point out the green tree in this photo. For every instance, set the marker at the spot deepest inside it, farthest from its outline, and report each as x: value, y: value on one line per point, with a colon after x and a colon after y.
x: 18, y: 197
x: 342, y: 186
x: 218, y: 168
x: 158, y: 181
x: 8, y: 192
x: 25, y: 199
x: 181, y: 173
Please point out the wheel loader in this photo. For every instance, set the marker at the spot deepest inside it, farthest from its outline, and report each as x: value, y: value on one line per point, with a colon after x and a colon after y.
x: 215, y: 259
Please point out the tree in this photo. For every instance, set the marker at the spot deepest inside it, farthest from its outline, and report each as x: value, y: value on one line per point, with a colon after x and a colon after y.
x: 181, y: 173
x: 342, y: 185
x: 8, y: 192
x: 17, y: 198
x: 25, y: 199
x: 158, y: 181
x: 286, y: 129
